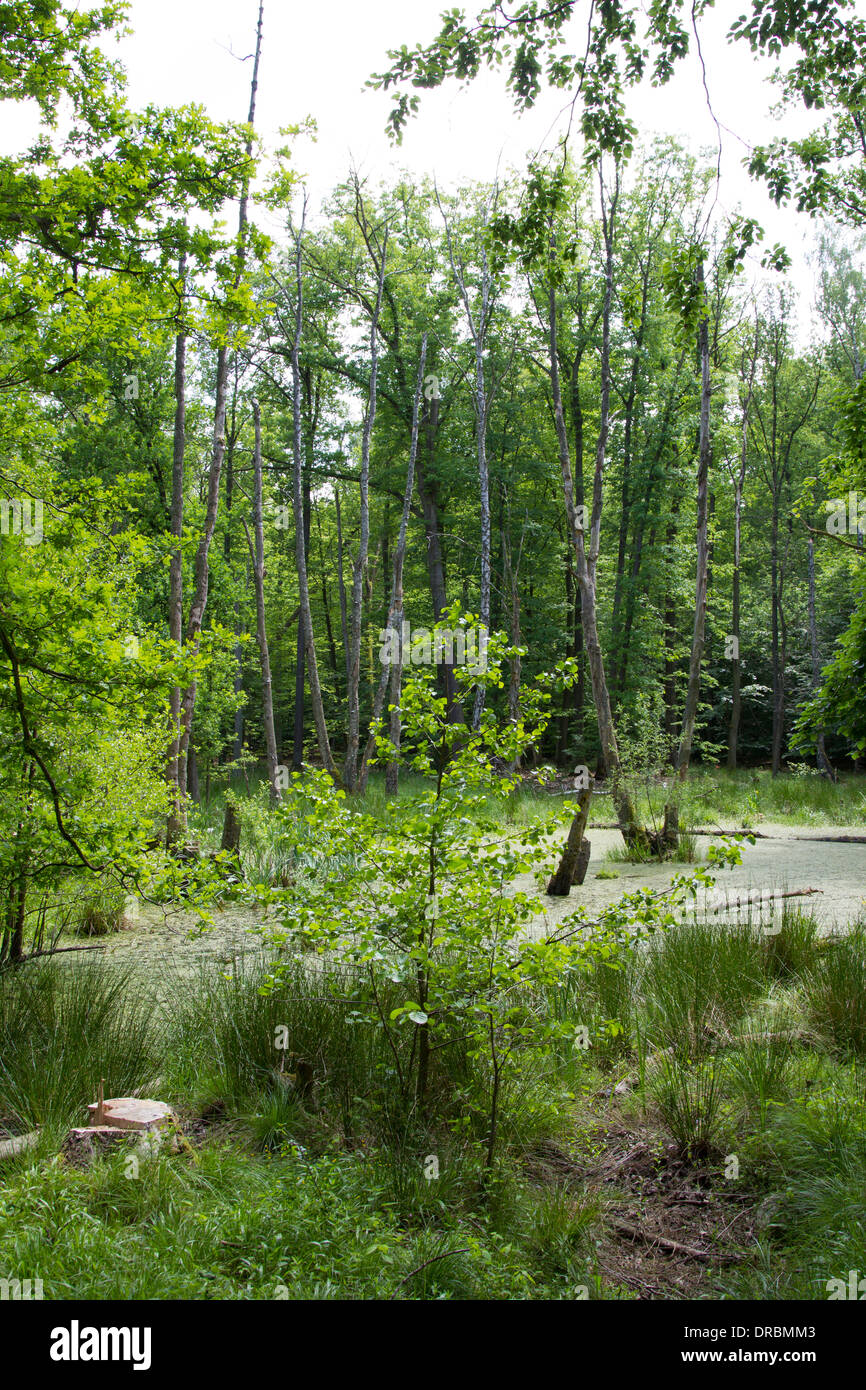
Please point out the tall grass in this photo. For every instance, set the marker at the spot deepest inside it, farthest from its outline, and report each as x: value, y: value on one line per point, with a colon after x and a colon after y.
x: 64, y: 1025
x: 836, y: 994
x: 694, y: 982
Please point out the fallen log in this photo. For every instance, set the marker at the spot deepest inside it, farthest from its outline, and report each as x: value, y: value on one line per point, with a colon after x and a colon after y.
x: 18, y: 1144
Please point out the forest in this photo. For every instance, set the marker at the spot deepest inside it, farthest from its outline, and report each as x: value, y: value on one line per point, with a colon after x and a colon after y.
x: 433, y: 681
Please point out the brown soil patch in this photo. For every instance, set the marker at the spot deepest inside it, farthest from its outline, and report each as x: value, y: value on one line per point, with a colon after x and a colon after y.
x: 670, y: 1225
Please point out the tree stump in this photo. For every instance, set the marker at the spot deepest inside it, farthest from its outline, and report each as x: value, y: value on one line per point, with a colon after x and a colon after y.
x: 582, y: 863
x: 575, y: 858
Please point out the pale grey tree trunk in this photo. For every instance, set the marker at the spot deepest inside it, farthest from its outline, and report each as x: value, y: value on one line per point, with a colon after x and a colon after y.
x: 257, y: 554
x: 393, y: 676
x: 703, y: 549
x: 351, y: 770
x: 306, y: 617
x: 586, y: 556
x: 176, y: 824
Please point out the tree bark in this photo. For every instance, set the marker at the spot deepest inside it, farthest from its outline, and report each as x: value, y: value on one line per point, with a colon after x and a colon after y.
x: 565, y: 875
x: 394, y: 675
x: 257, y: 554
x: 306, y: 618
x: 697, y: 653
x: 351, y: 771
x: 176, y: 822
x: 586, y: 557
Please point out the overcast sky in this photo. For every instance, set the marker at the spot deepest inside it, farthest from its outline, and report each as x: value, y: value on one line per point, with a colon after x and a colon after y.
x: 317, y: 57
x: 318, y: 54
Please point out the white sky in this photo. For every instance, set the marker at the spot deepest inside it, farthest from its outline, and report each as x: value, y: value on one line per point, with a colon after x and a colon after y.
x: 317, y: 57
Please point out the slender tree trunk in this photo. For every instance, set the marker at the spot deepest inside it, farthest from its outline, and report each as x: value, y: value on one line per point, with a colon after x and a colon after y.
x: 697, y: 653
x: 176, y: 824
x: 394, y: 675
x: 434, y: 553
x: 300, y: 651
x: 352, y: 769
x: 824, y: 764
x: 587, y: 557
x: 200, y: 593
x: 344, y: 612
x: 306, y: 617
x: 739, y: 484
x: 257, y: 553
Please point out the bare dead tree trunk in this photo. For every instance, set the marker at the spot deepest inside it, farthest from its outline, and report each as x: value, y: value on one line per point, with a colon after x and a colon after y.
x: 257, y: 555
x: 351, y: 770
x: 478, y: 323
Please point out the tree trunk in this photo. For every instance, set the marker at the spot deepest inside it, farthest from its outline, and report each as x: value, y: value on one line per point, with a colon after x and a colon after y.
x: 200, y: 594
x: 394, y: 675
x: 697, y: 653
x: 176, y: 823
x: 824, y: 764
x: 306, y: 618
x: 351, y: 771
x: 258, y: 558
x: 587, y: 558
x: 300, y: 650
x: 575, y: 849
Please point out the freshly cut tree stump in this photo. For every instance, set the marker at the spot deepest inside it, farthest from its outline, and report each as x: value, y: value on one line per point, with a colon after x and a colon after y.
x: 82, y: 1146
x: 130, y: 1113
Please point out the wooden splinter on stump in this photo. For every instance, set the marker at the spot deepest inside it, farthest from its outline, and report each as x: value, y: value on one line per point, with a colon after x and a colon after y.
x: 575, y: 857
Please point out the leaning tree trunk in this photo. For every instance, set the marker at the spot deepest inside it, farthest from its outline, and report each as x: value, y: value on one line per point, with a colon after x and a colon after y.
x: 587, y: 558
x: 575, y: 856
x: 257, y: 555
